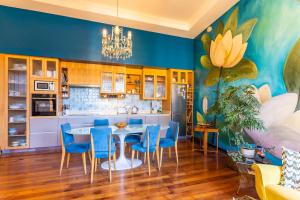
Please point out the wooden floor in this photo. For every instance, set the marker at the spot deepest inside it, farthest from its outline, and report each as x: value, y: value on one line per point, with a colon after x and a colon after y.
x: 36, y: 176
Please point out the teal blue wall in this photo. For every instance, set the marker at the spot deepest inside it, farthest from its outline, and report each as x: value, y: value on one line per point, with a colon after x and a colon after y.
x: 276, y: 32
x: 39, y: 34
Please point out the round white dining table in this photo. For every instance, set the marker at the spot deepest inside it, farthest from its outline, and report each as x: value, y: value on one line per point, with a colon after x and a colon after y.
x: 122, y: 162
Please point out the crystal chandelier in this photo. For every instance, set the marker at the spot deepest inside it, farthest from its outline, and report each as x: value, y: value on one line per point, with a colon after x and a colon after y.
x: 116, y: 45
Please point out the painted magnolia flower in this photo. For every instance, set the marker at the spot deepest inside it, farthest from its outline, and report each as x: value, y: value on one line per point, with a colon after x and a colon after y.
x: 227, y: 51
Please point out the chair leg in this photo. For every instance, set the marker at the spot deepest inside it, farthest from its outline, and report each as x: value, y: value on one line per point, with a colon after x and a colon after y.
x: 93, y: 168
x: 137, y: 155
x: 62, y: 161
x: 68, y: 159
x: 176, y: 152
x: 217, y: 143
x: 148, y: 158
x: 193, y: 142
x: 109, y: 167
x: 157, y: 158
x: 96, y: 162
x: 90, y: 158
x: 115, y: 160
x: 170, y: 156
x: 161, y: 155
x: 145, y: 158
x: 132, y: 158
x: 153, y: 155
x: 84, y: 162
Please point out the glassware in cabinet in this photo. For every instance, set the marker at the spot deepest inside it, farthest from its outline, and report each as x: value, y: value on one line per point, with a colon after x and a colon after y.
x: 161, y: 87
x: 37, y: 67
x: 51, y: 69
x: 107, y: 82
x: 149, y: 86
x: 17, y: 102
x: 119, y: 83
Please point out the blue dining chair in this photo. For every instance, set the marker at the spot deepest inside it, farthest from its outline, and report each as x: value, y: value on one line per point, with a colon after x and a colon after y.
x: 101, y: 122
x: 148, y: 145
x: 170, y: 140
x: 69, y: 146
x: 134, y: 138
x: 102, y: 147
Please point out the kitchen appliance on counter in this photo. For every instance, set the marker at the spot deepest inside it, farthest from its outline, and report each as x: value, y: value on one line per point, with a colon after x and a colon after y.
x: 43, y: 105
x: 179, y: 107
x: 44, y: 86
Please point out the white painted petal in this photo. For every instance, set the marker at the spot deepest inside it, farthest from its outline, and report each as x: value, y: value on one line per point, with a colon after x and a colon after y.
x: 265, y: 93
x: 205, y: 104
x: 256, y: 93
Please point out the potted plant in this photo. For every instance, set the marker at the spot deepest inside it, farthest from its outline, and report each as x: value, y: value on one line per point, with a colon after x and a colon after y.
x: 238, y: 110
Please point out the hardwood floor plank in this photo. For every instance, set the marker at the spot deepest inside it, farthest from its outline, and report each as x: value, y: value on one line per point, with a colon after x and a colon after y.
x: 35, y: 176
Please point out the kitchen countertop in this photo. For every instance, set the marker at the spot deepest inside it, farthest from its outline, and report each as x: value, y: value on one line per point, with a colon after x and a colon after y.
x: 103, y: 115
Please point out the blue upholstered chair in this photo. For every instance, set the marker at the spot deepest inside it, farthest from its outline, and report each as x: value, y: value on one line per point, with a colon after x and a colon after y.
x: 170, y: 140
x: 102, y: 147
x: 134, y: 138
x: 101, y: 122
x: 69, y: 146
x: 148, y: 145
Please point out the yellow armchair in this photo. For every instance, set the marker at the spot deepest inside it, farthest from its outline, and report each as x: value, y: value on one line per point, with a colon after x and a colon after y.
x: 267, y: 178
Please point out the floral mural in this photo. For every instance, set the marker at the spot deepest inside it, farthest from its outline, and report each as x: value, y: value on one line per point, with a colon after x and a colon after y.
x: 255, y: 43
x: 224, y: 58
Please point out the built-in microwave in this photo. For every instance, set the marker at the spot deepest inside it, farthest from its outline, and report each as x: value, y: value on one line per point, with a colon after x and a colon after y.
x: 44, y: 86
x: 43, y: 105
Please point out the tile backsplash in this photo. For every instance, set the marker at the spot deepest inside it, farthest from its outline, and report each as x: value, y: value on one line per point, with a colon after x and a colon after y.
x: 84, y: 100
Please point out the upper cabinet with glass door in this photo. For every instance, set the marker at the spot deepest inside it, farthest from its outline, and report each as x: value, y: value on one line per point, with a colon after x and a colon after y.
x: 43, y: 68
x: 113, y: 79
x: 154, y: 83
x: 180, y: 76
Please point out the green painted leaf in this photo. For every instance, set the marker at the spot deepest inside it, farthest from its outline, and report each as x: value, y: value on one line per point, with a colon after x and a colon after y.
x: 206, y: 40
x: 220, y: 28
x: 200, y: 118
x: 244, y: 69
x: 246, y: 28
x: 292, y: 71
x: 206, y: 62
x: 232, y: 22
x: 212, y: 77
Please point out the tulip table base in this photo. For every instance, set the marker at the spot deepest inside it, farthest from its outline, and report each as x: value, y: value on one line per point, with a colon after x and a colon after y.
x: 122, y: 162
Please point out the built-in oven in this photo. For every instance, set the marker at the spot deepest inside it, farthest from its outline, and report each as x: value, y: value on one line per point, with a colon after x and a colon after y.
x: 44, y: 86
x: 43, y: 105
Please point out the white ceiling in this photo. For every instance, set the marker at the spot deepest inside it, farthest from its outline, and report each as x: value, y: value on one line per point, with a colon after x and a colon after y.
x: 185, y: 18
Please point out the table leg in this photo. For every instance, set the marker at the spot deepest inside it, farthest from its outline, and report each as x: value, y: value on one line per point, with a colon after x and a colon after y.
x: 122, y: 162
x: 205, y: 140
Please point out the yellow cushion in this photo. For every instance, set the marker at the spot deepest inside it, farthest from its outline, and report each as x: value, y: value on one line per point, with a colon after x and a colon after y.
x: 278, y: 192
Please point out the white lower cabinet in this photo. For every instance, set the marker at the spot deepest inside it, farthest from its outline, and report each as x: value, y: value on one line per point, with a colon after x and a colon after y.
x: 43, y: 139
x: 46, y: 132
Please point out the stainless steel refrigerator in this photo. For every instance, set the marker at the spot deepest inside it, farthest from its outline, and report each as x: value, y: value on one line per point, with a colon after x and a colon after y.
x: 179, y: 107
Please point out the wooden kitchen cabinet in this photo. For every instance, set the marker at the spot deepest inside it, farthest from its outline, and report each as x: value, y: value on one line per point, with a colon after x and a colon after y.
x: 43, y: 68
x: 14, y: 104
x: 83, y: 73
x: 154, y: 84
x: 113, y: 79
x: 181, y: 76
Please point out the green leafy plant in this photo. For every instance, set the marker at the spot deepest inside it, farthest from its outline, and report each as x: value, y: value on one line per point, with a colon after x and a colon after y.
x: 238, y: 110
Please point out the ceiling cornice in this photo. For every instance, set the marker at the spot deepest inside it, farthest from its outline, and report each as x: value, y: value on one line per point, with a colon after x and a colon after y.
x: 207, y: 13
